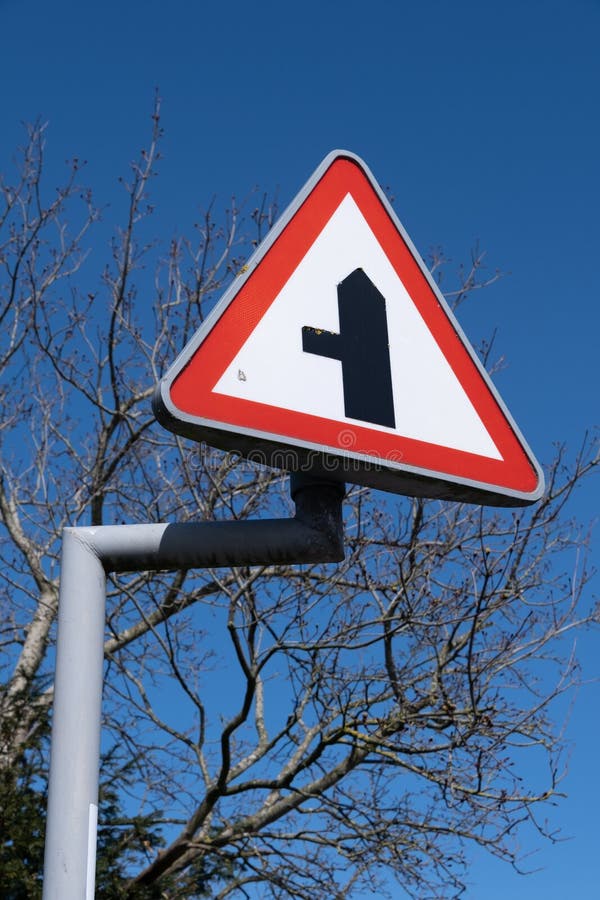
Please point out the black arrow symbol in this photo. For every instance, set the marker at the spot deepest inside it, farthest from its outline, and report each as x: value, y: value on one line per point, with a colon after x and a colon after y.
x: 362, y: 346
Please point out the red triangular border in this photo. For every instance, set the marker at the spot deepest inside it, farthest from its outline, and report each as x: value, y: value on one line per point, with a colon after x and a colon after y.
x: 190, y: 385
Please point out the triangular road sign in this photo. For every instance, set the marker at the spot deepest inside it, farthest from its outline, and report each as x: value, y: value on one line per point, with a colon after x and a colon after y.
x: 333, y: 351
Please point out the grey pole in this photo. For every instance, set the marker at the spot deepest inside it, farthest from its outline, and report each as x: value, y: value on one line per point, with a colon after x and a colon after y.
x: 70, y: 853
x: 315, y: 534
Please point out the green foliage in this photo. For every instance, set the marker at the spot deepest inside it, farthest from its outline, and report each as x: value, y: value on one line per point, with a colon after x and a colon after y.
x: 22, y: 825
x: 122, y: 841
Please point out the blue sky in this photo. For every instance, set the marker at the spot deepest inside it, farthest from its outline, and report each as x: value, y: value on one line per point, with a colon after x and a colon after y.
x: 481, y: 117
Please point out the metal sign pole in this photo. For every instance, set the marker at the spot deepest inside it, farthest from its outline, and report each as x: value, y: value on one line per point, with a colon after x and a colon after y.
x: 315, y: 534
x: 70, y: 853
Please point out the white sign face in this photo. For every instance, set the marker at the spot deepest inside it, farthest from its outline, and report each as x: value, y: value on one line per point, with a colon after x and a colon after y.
x: 336, y: 346
x: 429, y: 401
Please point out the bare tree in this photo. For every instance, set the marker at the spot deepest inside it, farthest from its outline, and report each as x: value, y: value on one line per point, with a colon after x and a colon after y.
x: 293, y: 732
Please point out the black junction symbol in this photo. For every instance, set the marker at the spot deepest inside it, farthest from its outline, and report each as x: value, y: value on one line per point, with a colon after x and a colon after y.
x: 362, y: 346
